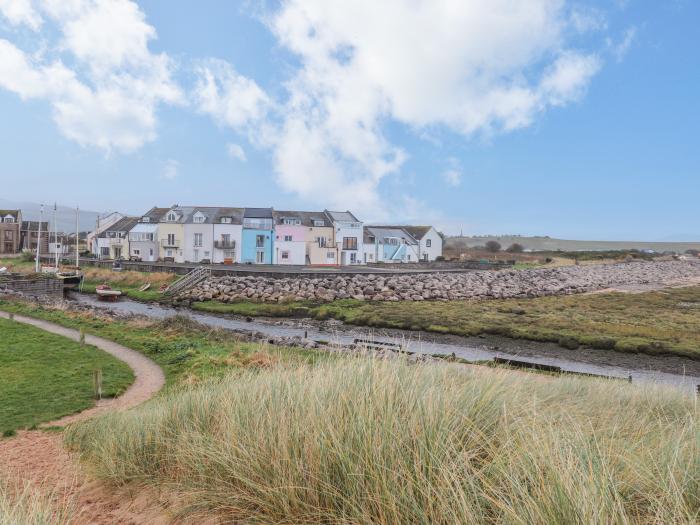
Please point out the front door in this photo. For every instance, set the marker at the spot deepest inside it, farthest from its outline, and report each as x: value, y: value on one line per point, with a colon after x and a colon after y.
x: 260, y: 259
x: 195, y: 254
x: 117, y: 252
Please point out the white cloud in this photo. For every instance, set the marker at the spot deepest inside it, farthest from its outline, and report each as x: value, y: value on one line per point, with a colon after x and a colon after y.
x: 229, y: 97
x: 235, y: 151
x: 621, y: 48
x: 452, y: 177
x: 108, y: 99
x: 20, y: 12
x: 170, y: 170
x: 585, y: 19
x: 479, y: 67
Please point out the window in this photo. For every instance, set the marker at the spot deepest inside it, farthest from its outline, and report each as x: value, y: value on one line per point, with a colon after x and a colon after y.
x: 428, y: 243
x: 226, y: 220
x: 9, y: 235
x: 349, y: 243
x: 9, y: 219
x: 199, y: 218
x: 171, y: 239
x: 353, y: 258
x: 392, y: 241
x: 321, y: 241
x: 198, y: 239
x: 145, y: 219
x: 330, y: 255
x: 291, y: 221
x: 355, y: 225
x: 229, y: 254
x: 257, y: 224
x: 151, y: 252
x: 259, y: 241
x: 372, y: 239
x: 104, y: 251
x: 137, y: 252
x: 285, y: 255
x: 288, y: 238
x: 171, y: 217
x: 319, y: 224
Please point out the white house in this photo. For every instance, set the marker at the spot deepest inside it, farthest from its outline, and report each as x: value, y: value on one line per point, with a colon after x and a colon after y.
x: 199, y: 234
x: 228, y: 233
x: 429, y: 241
x: 103, y: 222
x: 290, y: 237
x: 389, y: 245
x: 348, y: 236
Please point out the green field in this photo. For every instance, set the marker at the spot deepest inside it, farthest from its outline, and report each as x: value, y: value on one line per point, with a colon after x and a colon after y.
x: 46, y: 376
x: 661, y: 322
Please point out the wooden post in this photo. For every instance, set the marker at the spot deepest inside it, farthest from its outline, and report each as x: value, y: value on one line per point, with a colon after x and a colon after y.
x: 97, y: 383
x: 12, y: 316
x: 82, y: 337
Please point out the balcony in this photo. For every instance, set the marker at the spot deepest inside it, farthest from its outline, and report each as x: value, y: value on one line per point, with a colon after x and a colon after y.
x: 225, y: 245
x: 170, y: 243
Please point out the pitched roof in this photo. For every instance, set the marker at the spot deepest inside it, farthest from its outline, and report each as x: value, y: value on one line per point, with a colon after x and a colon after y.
x: 5, y: 213
x: 382, y: 233
x: 341, y: 216
x: 258, y: 213
x: 307, y: 218
x: 122, y: 225
x: 417, y: 232
x: 34, y: 225
x: 155, y: 214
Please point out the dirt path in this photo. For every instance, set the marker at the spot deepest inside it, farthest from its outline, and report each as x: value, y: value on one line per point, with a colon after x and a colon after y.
x: 39, y: 459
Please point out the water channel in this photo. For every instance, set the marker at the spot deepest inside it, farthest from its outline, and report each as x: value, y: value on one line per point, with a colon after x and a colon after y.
x: 640, y: 368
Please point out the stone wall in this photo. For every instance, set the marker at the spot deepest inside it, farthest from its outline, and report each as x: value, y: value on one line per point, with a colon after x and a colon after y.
x: 445, y: 286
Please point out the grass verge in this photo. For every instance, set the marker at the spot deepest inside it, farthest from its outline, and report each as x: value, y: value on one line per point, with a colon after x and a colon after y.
x: 187, y: 351
x: 367, y: 441
x: 46, y: 376
x: 660, y: 322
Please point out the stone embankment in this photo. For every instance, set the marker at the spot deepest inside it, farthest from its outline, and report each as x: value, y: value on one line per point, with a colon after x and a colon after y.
x: 446, y: 286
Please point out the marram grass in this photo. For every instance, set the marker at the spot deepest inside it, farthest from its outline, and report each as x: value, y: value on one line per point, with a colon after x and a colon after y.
x: 367, y: 441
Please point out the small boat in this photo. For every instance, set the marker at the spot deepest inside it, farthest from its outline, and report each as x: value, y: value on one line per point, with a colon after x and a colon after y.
x: 105, y: 293
x: 145, y: 287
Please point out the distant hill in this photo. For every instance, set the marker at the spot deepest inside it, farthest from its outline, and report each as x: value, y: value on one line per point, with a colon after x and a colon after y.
x: 65, y: 215
x: 551, y: 244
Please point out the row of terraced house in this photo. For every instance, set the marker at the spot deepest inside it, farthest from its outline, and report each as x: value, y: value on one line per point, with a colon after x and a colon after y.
x: 194, y: 234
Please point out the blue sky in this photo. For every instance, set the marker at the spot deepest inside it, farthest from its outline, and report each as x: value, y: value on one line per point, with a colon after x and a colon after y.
x: 569, y: 119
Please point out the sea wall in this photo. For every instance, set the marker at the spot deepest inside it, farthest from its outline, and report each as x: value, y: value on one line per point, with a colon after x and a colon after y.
x: 446, y: 286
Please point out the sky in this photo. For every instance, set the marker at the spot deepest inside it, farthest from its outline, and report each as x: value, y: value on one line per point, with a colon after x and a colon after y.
x: 536, y: 117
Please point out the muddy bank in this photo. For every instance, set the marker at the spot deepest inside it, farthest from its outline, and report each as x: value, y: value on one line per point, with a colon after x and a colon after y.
x: 303, y: 332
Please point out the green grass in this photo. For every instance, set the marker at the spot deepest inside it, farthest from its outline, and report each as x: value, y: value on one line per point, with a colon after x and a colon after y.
x: 187, y: 351
x: 661, y: 322
x: 46, y: 376
x: 366, y: 441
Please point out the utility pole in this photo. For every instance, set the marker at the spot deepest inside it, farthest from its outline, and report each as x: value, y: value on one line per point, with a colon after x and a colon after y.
x: 77, y: 238
x: 38, y: 241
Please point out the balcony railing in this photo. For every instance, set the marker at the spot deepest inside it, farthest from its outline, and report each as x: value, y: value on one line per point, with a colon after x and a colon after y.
x: 170, y: 243
x: 225, y: 245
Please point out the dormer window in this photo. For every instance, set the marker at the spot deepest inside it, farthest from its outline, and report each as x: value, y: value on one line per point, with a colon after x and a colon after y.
x: 171, y: 217
x: 8, y: 218
x: 319, y: 224
x: 290, y: 221
x: 145, y: 219
x: 226, y: 220
x: 198, y: 218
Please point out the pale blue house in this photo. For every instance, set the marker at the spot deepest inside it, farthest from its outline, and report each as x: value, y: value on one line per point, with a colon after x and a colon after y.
x: 258, y: 236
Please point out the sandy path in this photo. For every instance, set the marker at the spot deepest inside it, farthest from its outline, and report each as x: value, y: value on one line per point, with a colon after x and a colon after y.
x: 38, y: 458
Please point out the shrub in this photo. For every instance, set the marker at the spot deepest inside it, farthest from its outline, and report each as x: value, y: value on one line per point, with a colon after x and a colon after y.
x: 515, y: 248
x: 493, y: 246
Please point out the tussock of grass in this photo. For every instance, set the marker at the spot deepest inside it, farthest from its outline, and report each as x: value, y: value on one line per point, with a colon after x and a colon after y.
x: 27, y: 505
x: 367, y: 442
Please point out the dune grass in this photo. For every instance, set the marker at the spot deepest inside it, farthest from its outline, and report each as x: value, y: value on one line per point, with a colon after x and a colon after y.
x: 45, y: 376
x: 367, y: 441
x: 28, y: 505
